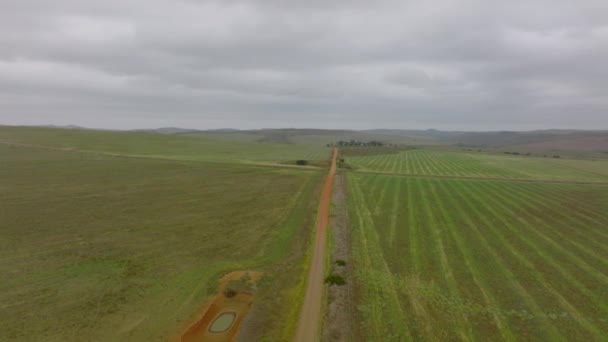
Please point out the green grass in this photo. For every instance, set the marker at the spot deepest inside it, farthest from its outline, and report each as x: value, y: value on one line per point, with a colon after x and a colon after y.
x: 122, y: 236
x: 96, y: 247
x: 444, y: 259
x: 203, y: 147
x: 460, y: 164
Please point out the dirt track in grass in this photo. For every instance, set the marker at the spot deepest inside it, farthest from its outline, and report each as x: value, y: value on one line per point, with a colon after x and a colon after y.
x: 309, y: 324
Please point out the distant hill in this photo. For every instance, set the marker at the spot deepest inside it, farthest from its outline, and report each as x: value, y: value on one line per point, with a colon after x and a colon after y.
x: 539, y: 141
x: 279, y: 135
x: 589, y: 140
x: 63, y: 127
x: 580, y: 143
x: 168, y: 130
x: 223, y: 130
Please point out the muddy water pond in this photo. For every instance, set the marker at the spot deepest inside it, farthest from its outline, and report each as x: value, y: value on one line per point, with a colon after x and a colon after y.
x: 223, y: 322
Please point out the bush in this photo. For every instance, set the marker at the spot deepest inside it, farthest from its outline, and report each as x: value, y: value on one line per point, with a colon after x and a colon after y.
x: 242, y: 285
x: 340, y: 262
x: 230, y: 292
x: 301, y: 162
x: 335, y: 279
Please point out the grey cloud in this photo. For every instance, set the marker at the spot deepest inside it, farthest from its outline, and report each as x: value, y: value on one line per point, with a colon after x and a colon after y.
x: 243, y: 63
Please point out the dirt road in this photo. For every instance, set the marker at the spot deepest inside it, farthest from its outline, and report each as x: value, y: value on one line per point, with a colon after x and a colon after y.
x: 310, y: 317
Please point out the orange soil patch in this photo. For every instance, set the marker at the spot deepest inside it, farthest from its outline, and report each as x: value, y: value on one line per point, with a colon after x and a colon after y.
x: 310, y: 317
x: 237, y: 306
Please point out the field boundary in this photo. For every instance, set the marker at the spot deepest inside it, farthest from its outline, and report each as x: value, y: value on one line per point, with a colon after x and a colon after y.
x: 309, y: 323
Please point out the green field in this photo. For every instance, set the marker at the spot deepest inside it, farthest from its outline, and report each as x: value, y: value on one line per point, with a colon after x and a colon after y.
x: 232, y: 148
x: 464, y: 259
x: 481, y: 165
x: 122, y: 236
x: 107, y: 248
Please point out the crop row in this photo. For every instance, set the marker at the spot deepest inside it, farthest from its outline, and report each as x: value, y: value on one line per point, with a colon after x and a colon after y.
x: 481, y: 260
x: 478, y: 165
x: 421, y: 161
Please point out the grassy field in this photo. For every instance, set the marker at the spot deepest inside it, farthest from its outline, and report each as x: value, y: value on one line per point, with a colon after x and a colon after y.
x: 202, y: 147
x: 481, y: 165
x: 487, y: 260
x: 108, y: 248
x: 122, y: 236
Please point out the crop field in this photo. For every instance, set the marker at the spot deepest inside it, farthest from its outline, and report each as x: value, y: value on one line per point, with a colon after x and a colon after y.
x: 459, y: 164
x: 208, y: 147
x: 106, y: 248
x: 487, y: 260
x: 123, y: 236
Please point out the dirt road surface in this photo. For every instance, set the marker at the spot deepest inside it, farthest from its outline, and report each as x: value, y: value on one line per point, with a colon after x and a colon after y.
x: 309, y: 324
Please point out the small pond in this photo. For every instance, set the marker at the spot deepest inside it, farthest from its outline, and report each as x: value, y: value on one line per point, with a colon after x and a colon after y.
x: 222, y: 322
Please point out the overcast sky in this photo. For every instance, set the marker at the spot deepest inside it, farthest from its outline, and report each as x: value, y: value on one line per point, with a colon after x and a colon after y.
x: 446, y: 64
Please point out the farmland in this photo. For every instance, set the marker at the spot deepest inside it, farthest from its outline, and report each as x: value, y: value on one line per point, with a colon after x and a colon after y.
x: 102, y: 247
x: 124, y: 235
x: 481, y: 165
x: 210, y: 147
x: 478, y: 259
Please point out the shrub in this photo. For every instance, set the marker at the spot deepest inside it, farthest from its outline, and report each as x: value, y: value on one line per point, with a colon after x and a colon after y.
x: 301, y: 162
x: 335, y: 279
x: 229, y: 292
x: 242, y: 285
x: 340, y: 262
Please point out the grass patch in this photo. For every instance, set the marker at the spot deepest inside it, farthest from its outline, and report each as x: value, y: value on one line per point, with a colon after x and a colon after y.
x: 205, y: 147
x: 116, y: 248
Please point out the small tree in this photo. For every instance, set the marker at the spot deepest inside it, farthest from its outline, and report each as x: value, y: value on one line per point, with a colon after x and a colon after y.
x: 301, y: 162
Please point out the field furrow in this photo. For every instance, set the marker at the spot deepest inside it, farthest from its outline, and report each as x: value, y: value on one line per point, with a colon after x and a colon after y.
x: 482, y: 259
x: 482, y: 165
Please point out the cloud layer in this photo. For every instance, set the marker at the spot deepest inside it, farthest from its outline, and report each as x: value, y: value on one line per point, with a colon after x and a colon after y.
x: 449, y: 64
